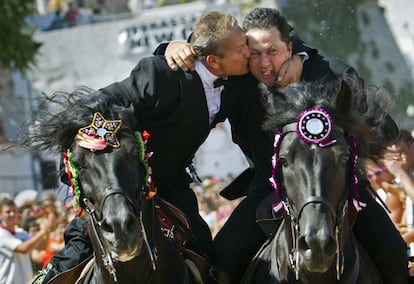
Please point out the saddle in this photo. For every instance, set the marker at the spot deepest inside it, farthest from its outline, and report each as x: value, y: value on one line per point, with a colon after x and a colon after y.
x: 173, y: 221
x: 175, y: 225
x: 265, y: 218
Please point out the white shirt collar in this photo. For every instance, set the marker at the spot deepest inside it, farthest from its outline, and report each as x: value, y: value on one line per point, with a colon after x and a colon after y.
x: 207, y: 78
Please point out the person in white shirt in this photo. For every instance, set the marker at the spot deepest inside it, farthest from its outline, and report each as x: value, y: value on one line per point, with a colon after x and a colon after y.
x: 15, y: 245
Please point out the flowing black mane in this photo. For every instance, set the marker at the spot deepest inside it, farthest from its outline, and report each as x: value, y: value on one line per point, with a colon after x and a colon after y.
x: 60, y: 115
x: 366, y: 121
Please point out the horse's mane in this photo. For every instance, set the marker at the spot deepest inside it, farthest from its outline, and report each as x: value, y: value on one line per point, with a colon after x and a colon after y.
x: 60, y: 115
x: 369, y: 124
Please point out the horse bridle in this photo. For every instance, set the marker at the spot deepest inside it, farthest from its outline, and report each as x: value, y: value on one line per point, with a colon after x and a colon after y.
x: 314, y: 126
x: 95, y: 221
x: 295, y: 231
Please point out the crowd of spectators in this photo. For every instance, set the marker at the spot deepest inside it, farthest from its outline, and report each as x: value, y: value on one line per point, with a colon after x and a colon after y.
x: 31, y: 215
x: 31, y: 233
x: 59, y: 14
x: 393, y: 180
x: 212, y: 206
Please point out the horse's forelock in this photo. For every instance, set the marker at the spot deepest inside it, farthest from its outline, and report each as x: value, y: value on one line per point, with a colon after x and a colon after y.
x: 363, y: 122
x: 288, y: 103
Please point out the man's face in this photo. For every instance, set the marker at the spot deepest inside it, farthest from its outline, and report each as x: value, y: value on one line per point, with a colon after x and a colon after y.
x: 378, y: 174
x: 8, y: 215
x: 268, y: 53
x: 234, y: 61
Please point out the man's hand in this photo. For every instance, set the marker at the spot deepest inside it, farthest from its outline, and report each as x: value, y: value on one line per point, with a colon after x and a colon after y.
x: 392, y: 188
x: 395, y: 161
x: 180, y: 55
x: 290, y: 71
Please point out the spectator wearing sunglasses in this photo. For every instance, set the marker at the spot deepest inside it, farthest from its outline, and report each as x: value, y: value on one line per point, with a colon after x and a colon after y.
x: 390, y: 192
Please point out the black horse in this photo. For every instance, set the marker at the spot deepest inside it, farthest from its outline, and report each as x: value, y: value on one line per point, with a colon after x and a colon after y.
x: 107, y: 166
x: 321, y: 129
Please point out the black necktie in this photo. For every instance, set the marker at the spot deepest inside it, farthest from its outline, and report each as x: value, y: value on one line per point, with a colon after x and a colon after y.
x: 219, y: 82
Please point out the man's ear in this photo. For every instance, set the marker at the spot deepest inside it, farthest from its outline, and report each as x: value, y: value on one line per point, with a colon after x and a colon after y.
x: 290, y: 48
x: 213, y: 61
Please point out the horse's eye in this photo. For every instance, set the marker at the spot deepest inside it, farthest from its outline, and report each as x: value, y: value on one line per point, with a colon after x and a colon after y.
x: 283, y: 162
x: 343, y: 158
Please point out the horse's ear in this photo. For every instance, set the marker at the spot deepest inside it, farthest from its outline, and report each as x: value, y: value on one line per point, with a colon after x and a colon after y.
x: 127, y: 116
x: 344, y: 98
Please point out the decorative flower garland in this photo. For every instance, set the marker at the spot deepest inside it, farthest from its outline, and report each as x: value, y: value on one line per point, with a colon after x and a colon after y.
x: 278, y: 207
x: 73, y: 173
x: 354, y: 181
x: 144, y: 157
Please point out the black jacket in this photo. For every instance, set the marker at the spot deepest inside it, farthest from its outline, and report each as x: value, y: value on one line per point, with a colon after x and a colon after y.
x: 171, y: 106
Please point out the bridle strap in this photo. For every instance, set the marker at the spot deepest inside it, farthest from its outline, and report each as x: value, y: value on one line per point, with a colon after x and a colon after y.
x: 291, y: 127
x: 315, y: 199
x: 106, y: 257
x: 295, y: 232
x: 109, y: 191
x: 91, y: 209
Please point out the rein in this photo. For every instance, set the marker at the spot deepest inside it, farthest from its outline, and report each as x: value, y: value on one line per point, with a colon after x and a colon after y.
x: 106, y: 256
x: 314, y: 126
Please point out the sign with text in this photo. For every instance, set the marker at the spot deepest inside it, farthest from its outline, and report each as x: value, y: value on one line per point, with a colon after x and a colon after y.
x: 139, y: 38
x: 165, y: 24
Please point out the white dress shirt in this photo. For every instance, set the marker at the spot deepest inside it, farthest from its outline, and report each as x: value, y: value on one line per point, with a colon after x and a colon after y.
x: 213, y: 95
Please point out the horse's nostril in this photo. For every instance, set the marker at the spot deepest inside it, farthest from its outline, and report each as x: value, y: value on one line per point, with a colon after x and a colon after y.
x: 106, y: 227
x: 330, y: 247
x: 131, y: 224
x: 302, y: 244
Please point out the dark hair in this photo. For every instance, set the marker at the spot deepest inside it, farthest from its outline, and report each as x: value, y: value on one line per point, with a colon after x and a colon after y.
x: 6, y: 201
x: 266, y: 18
x: 285, y: 105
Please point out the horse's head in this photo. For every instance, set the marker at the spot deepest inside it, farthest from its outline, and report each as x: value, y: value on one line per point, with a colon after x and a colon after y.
x: 315, y: 167
x: 104, y: 162
x: 108, y: 178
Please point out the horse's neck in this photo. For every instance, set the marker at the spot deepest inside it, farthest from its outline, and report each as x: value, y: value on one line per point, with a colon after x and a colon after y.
x: 138, y: 270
